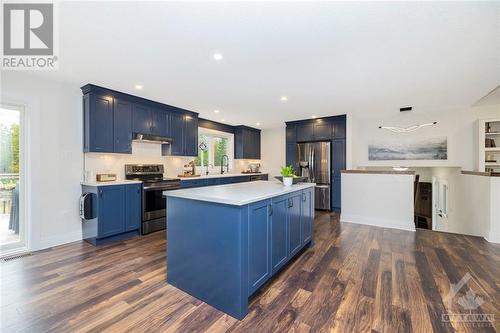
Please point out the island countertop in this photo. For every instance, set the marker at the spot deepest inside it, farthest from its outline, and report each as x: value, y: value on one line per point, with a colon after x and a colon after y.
x: 238, y: 194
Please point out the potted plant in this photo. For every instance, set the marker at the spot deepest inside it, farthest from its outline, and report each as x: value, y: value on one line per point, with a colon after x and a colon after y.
x: 287, y: 173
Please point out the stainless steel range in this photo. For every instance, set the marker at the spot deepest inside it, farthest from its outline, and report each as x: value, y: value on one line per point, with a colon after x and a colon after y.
x: 154, y: 205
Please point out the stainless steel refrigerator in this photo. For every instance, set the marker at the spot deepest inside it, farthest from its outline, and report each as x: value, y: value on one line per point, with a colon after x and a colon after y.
x: 313, y: 159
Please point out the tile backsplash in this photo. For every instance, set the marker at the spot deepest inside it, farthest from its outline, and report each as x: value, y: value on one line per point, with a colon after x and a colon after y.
x: 145, y: 153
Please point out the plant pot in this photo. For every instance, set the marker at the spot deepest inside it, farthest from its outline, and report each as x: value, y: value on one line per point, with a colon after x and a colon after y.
x: 287, y: 181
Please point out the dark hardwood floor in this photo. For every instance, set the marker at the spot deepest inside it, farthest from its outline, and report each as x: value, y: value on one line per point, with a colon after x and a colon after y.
x: 355, y: 279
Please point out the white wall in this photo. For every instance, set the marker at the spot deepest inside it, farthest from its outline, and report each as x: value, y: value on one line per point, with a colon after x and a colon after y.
x: 364, y: 202
x: 273, y: 151
x: 456, y: 125
x: 54, y: 129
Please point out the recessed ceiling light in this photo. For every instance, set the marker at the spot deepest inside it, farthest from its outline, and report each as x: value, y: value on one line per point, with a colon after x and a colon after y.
x: 313, y: 116
x: 258, y: 124
x: 284, y: 98
x: 217, y: 56
x: 223, y: 120
x: 216, y: 111
x: 138, y: 86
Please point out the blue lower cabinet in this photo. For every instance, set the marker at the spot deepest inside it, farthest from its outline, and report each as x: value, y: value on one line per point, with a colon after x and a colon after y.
x: 259, y: 265
x: 133, y: 211
x: 336, y: 194
x: 222, y: 254
x: 279, y: 237
x: 295, y: 223
x: 111, y: 208
x: 193, y: 183
x: 118, y: 213
x: 307, y: 215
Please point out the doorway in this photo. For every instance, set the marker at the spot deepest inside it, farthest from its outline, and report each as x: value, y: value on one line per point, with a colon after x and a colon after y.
x: 12, y: 221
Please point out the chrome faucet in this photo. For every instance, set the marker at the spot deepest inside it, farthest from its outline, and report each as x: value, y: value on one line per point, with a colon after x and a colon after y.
x: 222, y: 164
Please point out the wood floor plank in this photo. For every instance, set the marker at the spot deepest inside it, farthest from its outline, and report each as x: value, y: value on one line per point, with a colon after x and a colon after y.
x: 355, y: 278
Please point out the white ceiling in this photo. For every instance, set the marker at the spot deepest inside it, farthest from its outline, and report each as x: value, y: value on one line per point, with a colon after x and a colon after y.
x: 326, y: 57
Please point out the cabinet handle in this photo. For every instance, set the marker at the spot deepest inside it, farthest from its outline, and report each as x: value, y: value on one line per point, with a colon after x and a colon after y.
x: 100, y: 193
x: 291, y: 202
x: 270, y: 210
x: 304, y: 197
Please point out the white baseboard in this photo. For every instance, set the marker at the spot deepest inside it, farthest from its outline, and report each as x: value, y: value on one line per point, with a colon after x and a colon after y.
x: 57, y: 240
x: 400, y: 225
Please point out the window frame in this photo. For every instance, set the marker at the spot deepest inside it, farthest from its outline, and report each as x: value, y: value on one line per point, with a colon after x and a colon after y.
x: 211, y: 133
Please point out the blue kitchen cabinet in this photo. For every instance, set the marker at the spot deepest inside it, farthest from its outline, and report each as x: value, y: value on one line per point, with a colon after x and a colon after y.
x: 339, y: 127
x: 190, y: 136
x: 177, y: 133
x: 294, y: 223
x: 338, y: 164
x: 247, y: 143
x: 307, y: 215
x: 193, y: 183
x: 259, y: 244
x: 338, y: 156
x: 160, y: 122
x: 122, y: 126
x: 291, y: 150
x: 141, y: 119
x: 332, y: 129
x: 256, y: 246
x: 279, y: 232
x: 322, y: 129
x: 98, y: 123
x: 291, y: 133
x: 111, y: 210
x: 133, y: 211
x: 305, y: 132
x: 118, y: 213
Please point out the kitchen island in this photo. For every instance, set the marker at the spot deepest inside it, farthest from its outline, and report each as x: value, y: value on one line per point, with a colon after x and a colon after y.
x: 224, y: 242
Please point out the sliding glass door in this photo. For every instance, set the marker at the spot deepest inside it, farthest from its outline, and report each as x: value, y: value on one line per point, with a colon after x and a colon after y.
x: 12, y: 227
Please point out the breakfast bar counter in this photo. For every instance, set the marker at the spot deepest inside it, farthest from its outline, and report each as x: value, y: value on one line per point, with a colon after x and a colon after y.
x: 224, y: 242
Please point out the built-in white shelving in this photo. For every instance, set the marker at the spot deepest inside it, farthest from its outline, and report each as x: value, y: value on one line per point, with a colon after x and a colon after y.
x: 488, y: 158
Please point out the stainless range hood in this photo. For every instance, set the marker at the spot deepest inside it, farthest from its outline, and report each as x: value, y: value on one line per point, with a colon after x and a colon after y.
x: 149, y: 138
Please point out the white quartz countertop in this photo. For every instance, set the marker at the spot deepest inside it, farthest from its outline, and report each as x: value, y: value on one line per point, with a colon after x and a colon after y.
x: 217, y: 175
x: 238, y: 194
x: 116, y: 182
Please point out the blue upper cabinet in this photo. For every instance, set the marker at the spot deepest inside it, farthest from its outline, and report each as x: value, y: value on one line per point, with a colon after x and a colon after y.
x: 111, y: 118
x: 98, y: 123
x: 122, y: 126
x: 322, y: 129
x: 141, y: 119
x: 291, y: 133
x: 339, y: 127
x: 160, y: 122
x: 246, y: 143
x: 305, y: 132
x: 190, y: 136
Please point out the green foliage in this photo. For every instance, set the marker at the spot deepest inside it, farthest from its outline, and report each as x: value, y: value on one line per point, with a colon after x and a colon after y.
x: 287, y: 171
x: 9, y: 149
x: 217, y: 146
x: 220, y: 149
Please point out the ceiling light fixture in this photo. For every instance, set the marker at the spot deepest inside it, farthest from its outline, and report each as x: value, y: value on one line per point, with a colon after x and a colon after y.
x: 217, y: 56
x: 138, y: 86
x: 258, y: 124
x: 284, y: 98
x: 406, y: 129
x: 313, y: 116
x: 400, y: 169
x: 223, y: 120
x: 216, y: 111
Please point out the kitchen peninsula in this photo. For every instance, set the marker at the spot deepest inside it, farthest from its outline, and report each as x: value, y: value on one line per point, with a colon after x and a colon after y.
x: 224, y: 242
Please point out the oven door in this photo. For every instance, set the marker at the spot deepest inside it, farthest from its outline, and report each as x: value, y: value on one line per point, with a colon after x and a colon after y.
x: 154, y: 204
